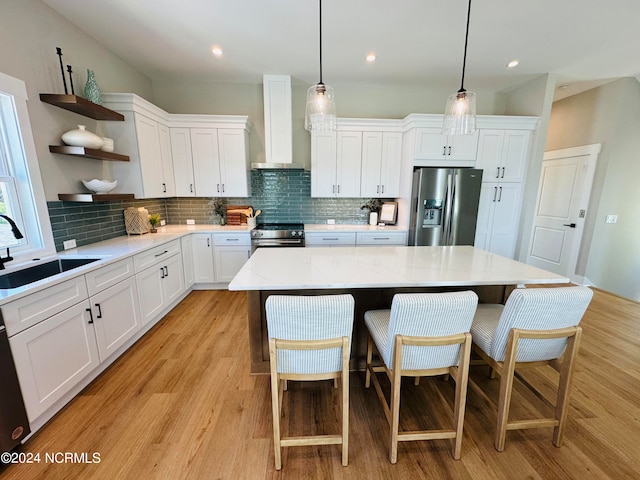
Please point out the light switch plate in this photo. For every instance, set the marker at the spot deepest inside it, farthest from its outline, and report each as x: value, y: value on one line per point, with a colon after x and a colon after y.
x: 67, y: 244
x: 611, y: 219
x: 163, y: 223
x: 331, y: 221
x: 191, y: 221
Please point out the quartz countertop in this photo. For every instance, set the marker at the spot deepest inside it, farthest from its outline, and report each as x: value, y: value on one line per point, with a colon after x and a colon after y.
x: 383, y: 267
x: 322, y: 227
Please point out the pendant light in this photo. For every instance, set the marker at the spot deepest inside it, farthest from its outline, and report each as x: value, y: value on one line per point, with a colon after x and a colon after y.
x: 460, y: 113
x: 321, y: 107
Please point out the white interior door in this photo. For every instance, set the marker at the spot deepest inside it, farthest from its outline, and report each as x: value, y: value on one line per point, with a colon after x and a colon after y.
x: 561, y: 209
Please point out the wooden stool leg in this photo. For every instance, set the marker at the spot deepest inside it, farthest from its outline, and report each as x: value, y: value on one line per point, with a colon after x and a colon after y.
x: 462, y: 378
x: 367, y: 373
x: 345, y: 402
x: 564, y: 385
x: 275, y: 405
x: 396, y: 376
x: 506, y: 386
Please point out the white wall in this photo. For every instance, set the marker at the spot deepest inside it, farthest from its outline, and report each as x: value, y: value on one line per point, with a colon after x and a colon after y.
x: 610, y: 253
x: 30, y: 31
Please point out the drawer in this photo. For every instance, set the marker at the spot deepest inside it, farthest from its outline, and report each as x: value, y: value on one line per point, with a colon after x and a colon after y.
x: 231, y: 239
x: 382, y: 238
x: 32, y: 309
x: 109, y: 275
x: 155, y: 255
x: 330, y: 238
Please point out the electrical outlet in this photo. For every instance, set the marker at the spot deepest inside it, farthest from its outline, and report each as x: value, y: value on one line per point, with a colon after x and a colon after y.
x: 191, y: 221
x: 67, y: 244
x: 163, y: 223
x: 611, y: 219
x: 331, y: 221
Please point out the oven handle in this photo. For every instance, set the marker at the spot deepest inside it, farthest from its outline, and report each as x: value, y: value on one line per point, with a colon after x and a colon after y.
x: 277, y: 243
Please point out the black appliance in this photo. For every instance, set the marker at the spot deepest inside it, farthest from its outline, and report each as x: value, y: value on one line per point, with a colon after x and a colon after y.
x: 14, y: 424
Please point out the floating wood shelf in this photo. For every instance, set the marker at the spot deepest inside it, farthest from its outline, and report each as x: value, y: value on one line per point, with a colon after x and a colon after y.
x: 80, y: 105
x: 88, y: 153
x: 94, y: 197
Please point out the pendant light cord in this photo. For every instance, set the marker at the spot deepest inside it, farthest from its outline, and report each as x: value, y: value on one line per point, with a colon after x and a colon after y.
x: 320, y: 2
x: 464, y: 58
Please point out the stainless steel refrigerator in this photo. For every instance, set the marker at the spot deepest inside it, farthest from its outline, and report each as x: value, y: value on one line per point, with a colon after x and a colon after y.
x: 444, y: 206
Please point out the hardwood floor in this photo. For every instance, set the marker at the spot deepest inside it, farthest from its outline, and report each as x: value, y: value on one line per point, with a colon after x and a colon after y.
x: 180, y: 404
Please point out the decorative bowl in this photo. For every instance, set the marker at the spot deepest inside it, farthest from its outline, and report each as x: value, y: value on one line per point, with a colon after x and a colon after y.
x: 100, y: 186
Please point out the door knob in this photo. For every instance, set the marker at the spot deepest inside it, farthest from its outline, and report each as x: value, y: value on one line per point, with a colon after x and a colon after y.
x: 572, y: 225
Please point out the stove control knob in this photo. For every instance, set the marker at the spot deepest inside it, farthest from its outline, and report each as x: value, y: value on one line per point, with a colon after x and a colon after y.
x: 300, y: 234
x: 293, y: 234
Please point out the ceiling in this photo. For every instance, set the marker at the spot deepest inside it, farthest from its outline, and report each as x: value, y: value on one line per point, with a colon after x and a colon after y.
x: 417, y: 42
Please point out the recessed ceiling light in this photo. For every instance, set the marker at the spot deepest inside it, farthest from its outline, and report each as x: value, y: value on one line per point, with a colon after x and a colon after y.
x: 371, y: 57
x: 513, y: 63
x: 217, y: 51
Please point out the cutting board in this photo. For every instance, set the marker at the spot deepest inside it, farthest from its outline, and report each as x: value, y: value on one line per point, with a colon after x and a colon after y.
x: 237, y: 214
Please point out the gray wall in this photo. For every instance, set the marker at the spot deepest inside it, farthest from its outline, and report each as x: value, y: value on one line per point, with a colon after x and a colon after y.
x: 610, y: 253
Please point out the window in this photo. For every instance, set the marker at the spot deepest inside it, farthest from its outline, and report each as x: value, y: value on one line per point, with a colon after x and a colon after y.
x: 21, y: 192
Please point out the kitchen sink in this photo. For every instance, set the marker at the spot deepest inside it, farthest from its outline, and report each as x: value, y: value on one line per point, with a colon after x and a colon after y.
x: 42, y: 271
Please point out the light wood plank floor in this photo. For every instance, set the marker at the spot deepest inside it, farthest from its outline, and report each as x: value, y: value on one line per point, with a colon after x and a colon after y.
x: 181, y: 405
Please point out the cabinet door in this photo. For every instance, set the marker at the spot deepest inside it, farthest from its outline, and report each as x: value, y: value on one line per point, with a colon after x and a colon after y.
x: 53, y: 356
x: 486, y: 207
x: 390, y: 168
x: 187, y: 260
x: 203, y: 258
x: 348, y: 164
x: 229, y: 260
x: 489, y: 157
x: 173, y: 278
x: 515, y: 153
x: 206, y: 162
x: 370, y: 182
x: 234, y: 167
x: 116, y: 316
x: 430, y: 144
x: 504, y: 230
x: 168, y: 182
x: 148, y: 135
x: 323, y: 164
x: 150, y: 292
x: 462, y: 147
x: 182, y: 162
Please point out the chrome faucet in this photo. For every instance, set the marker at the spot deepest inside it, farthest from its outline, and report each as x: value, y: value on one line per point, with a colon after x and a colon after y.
x: 16, y: 233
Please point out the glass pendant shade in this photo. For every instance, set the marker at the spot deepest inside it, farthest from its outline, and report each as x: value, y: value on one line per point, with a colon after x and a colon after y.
x: 460, y: 114
x: 321, y: 109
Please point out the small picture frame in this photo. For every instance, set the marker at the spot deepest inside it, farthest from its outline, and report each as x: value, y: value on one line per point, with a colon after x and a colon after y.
x: 388, y: 213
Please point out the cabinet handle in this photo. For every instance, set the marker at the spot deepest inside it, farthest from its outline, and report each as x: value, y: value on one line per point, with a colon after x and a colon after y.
x: 333, y: 189
x: 166, y: 271
x: 500, y: 196
x: 232, y: 239
x: 377, y: 188
x: 325, y: 238
x: 495, y: 192
x: 162, y: 272
x: 223, y: 188
x: 191, y: 187
x: 164, y: 188
x: 208, y: 242
x: 99, y: 310
x: 502, y: 173
x: 449, y: 149
x: 159, y: 254
x: 444, y: 150
x: 248, y: 253
x: 218, y: 187
x: 497, y: 172
x: 338, y: 189
x: 382, y: 190
x: 90, y: 315
x: 381, y: 238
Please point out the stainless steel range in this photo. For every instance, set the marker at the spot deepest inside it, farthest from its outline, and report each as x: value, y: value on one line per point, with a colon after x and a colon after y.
x: 277, y: 235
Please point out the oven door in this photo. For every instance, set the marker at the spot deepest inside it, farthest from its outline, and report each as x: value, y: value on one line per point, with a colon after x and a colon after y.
x: 275, y: 242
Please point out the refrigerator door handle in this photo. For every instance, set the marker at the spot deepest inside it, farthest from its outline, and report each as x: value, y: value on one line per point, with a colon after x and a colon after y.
x: 446, y: 223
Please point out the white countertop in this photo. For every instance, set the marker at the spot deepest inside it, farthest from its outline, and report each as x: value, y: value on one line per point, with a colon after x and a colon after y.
x: 322, y: 227
x: 382, y: 267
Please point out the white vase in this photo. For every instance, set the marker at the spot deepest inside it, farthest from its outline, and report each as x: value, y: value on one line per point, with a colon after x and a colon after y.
x: 82, y: 138
x: 373, y: 218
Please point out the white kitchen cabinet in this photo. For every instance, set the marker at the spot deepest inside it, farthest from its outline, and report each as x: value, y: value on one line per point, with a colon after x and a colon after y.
x: 182, y: 162
x: 53, y: 356
x: 186, y: 245
x: 498, y: 218
x: 203, y: 271
x: 503, y: 155
x: 116, y: 316
x: 159, y: 286
x: 330, y: 239
x: 336, y: 159
x: 220, y: 162
x: 231, y: 252
x: 380, y: 174
x: 431, y: 144
x: 380, y: 238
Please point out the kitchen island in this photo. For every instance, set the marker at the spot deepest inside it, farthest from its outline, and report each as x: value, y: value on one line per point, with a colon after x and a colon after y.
x: 373, y: 275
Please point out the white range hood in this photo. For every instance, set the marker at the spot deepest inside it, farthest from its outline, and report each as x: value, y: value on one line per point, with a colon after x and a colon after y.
x: 277, y: 125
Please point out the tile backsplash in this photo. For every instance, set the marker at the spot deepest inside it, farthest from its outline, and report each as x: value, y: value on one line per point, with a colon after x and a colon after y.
x: 282, y: 195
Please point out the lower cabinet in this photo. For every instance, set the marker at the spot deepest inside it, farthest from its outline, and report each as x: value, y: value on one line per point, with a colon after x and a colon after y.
x: 381, y: 238
x: 186, y: 245
x: 53, y: 356
x: 159, y: 286
x: 330, y: 239
x: 203, y: 258
x: 229, y: 260
x: 217, y: 257
x: 116, y: 316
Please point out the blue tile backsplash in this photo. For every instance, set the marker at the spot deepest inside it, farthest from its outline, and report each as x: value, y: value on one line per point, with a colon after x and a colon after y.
x: 282, y: 195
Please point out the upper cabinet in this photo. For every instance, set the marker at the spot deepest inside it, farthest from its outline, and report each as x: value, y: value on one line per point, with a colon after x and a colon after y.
x: 335, y: 164
x: 180, y: 155
x: 431, y: 144
x: 381, y: 164
x: 502, y: 154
